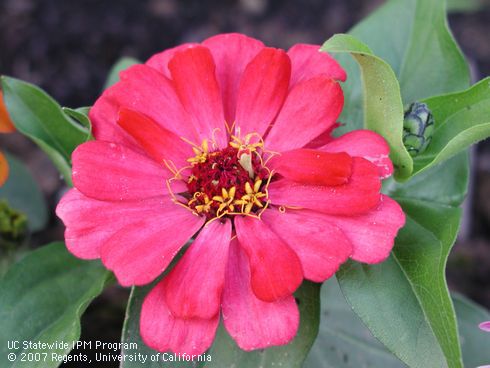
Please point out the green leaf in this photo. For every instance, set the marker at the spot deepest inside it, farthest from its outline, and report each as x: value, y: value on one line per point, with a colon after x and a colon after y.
x: 80, y: 115
x: 409, y: 289
x: 224, y: 352
x: 382, y: 101
x: 413, y: 37
x: 417, y: 267
x: 120, y: 65
x: 466, y: 5
x: 461, y: 119
x: 41, y: 300
x: 393, y: 33
x: 24, y: 195
x: 38, y: 116
x: 444, y: 184
x: 344, y: 342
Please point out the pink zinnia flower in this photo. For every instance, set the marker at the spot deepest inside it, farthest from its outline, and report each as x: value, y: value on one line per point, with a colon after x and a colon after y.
x: 485, y: 326
x: 227, y: 141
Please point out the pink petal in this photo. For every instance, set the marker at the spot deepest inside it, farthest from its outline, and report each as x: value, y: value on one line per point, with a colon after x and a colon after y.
x: 359, y: 195
x: 251, y: 322
x: 144, y: 90
x: 485, y: 326
x: 160, y: 61
x: 231, y: 52
x: 90, y: 223
x: 307, y: 61
x: 143, y: 249
x: 366, y: 144
x: 275, y: 268
x: 313, y: 167
x: 311, y: 108
x: 194, y: 286
x: 160, y: 144
x: 262, y: 91
x: 103, y: 116
x: 321, y: 246
x: 113, y: 172
x: 193, y: 72
x: 161, y: 331
x: 372, y: 235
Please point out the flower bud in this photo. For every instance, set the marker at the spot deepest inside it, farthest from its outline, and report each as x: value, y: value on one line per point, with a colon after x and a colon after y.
x: 13, y: 225
x: 418, y: 126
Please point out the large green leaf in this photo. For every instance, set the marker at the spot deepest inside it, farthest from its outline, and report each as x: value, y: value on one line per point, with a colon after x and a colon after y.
x: 444, y: 184
x: 413, y: 38
x: 344, y: 342
x: 224, y: 352
x: 461, y: 119
x: 466, y: 5
x: 383, y: 108
x: 404, y: 301
x: 38, y: 116
x: 24, y: 195
x: 41, y: 300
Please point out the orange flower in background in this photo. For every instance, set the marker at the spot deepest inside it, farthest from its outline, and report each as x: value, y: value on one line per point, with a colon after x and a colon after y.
x: 6, y: 126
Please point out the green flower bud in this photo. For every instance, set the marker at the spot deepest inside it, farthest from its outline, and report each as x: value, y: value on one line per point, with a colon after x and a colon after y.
x: 418, y: 127
x: 13, y: 225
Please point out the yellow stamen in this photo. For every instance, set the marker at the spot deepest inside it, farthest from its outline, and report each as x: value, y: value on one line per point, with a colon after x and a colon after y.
x: 253, y: 196
x: 227, y: 200
x: 200, y: 152
x: 203, y: 207
x: 248, y: 188
x: 245, y: 145
x: 257, y: 185
x: 253, y: 199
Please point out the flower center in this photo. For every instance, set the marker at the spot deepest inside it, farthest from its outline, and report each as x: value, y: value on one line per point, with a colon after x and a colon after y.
x: 230, y: 181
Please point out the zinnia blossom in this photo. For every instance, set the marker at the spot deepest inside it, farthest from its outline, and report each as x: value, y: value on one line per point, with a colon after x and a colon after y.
x: 227, y: 142
x: 6, y: 126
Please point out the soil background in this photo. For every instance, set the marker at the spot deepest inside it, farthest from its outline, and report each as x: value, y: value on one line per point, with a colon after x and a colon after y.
x: 68, y: 47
